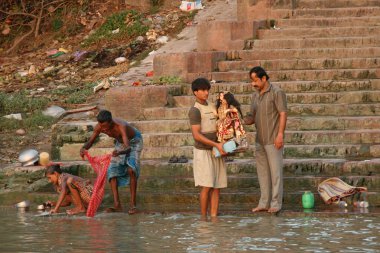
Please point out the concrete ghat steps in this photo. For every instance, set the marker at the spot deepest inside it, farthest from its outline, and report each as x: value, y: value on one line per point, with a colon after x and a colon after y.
x: 354, y: 97
x: 291, y: 86
x: 299, y: 75
x: 337, y: 12
x: 301, y: 64
x: 293, y: 123
x: 293, y: 110
x: 291, y: 137
x: 333, y: 42
x: 312, y: 4
x: 303, y: 53
x: 246, y: 183
x: 349, y: 151
x: 332, y: 22
x: 317, y: 32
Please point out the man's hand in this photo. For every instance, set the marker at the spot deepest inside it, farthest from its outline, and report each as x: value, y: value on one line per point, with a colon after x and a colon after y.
x: 55, y: 210
x: 219, y: 146
x: 279, y: 141
x: 82, y: 150
x: 115, y: 153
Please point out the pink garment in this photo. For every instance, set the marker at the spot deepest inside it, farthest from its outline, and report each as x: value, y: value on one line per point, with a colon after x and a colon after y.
x: 100, y: 165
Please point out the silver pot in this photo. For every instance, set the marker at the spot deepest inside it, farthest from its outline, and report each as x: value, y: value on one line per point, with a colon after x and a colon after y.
x: 28, y: 157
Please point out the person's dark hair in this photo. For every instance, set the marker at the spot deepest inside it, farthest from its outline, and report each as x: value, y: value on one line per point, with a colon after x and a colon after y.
x: 260, y: 72
x: 200, y: 84
x: 230, y: 98
x: 53, y: 168
x: 104, y: 116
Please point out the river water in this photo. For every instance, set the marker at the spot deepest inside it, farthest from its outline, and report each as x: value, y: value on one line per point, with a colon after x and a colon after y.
x: 26, y: 232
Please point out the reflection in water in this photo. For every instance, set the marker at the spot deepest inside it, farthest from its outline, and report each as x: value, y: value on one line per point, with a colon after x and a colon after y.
x: 24, y: 232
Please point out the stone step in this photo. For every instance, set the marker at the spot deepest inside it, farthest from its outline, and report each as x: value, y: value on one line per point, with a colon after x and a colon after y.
x: 342, y: 42
x: 293, y: 123
x: 302, y: 53
x: 348, y: 151
x: 293, y: 110
x: 357, y: 97
x: 187, y: 201
x: 331, y: 22
x: 301, y: 64
x: 291, y: 137
x: 312, y: 4
x: 292, y: 86
x: 302, y: 75
x: 337, y: 12
x: 238, y: 183
x: 322, y: 32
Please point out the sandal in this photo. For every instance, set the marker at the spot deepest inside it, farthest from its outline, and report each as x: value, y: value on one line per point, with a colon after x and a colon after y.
x: 182, y: 159
x: 173, y: 159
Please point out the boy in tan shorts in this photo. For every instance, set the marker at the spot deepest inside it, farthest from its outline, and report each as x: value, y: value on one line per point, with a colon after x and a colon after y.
x: 209, y: 172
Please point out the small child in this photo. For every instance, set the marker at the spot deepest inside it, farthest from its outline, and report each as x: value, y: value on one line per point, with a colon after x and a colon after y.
x: 229, y: 124
x: 71, y: 189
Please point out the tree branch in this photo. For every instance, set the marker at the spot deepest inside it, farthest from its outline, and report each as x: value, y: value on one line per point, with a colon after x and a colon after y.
x: 19, y: 13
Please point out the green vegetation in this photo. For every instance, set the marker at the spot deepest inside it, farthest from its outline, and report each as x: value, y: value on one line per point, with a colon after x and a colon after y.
x: 129, y: 24
x: 75, y: 95
x: 29, y: 107
x: 19, y: 102
x: 161, y: 80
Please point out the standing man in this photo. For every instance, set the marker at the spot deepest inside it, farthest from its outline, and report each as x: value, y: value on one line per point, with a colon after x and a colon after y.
x: 125, y: 164
x: 209, y: 172
x: 269, y: 114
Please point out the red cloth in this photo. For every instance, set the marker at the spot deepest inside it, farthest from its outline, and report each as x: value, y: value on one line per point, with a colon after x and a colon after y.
x: 100, y: 165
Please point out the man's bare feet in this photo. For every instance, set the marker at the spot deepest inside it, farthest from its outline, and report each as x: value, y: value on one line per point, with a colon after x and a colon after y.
x: 259, y: 209
x: 132, y: 210
x: 273, y: 210
x: 114, y: 209
x: 75, y: 211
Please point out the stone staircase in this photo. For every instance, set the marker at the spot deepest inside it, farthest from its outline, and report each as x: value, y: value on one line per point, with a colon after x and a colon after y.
x: 324, y: 54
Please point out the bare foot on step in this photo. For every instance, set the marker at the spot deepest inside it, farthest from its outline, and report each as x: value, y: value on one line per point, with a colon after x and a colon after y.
x: 259, y: 209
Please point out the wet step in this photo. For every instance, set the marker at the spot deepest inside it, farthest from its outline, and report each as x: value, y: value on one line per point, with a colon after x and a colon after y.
x: 289, y: 87
x: 368, y: 41
x: 312, y: 4
x: 320, y: 32
x: 251, y: 183
x: 332, y: 22
x: 299, y: 75
x: 183, y: 199
x: 358, y: 97
x: 338, y: 12
x: 303, y: 53
x: 301, y: 64
x: 293, y: 110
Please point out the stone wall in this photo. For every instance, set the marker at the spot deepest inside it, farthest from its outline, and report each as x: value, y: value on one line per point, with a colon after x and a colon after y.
x: 264, y: 9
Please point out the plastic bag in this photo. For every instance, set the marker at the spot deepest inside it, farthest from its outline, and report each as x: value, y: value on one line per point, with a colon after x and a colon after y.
x: 190, y: 6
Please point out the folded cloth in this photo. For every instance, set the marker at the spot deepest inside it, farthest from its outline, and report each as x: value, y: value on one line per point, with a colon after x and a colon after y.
x: 100, y: 165
x: 333, y: 189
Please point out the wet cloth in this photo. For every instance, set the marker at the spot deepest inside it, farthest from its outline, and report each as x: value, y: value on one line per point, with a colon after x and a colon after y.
x: 333, y: 189
x: 119, y: 164
x: 100, y: 165
x: 83, y: 186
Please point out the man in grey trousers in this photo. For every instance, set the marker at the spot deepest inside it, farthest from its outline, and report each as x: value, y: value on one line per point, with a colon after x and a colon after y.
x: 269, y: 114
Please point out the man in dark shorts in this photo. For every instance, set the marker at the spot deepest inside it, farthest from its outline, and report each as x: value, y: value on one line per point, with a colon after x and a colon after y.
x: 125, y: 164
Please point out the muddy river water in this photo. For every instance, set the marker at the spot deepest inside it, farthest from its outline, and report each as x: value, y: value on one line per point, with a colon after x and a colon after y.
x: 26, y: 232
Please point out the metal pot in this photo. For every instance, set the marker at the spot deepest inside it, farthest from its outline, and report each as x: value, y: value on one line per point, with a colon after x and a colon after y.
x: 28, y: 157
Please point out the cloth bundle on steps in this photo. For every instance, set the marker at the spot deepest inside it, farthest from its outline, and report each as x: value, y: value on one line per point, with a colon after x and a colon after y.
x: 333, y: 189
